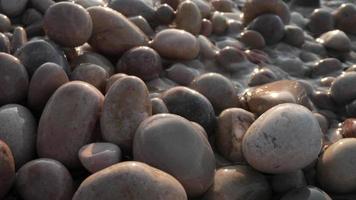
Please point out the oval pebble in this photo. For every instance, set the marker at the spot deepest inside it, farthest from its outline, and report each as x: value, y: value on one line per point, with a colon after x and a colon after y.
x: 131, y: 180
x: 285, y: 138
x: 12, y: 8
x: 181, y: 151
x: 126, y: 105
x: 68, y: 122
x: 342, y: 90
x: 7, y: 169
x: 91, y: 73
x: 44, y: 179
x: 188, y: 17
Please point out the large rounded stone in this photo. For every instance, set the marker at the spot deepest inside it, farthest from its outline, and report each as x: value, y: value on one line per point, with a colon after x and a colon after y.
x: 97, y: 156
x: 284, y: 139
x: 68, y: 122
x: 44, y: 82
x: 126, y: 105
x: 176, y: 44
x: 216, y: 87
x: 321, y: 21
x: 37, y: 52
x: 91, y: 73
x: 345, y: 17
x: 68, y: 24
x: 130, y: 180
x: 181, y: 151
x: 44, y: 179
x: 270, y: 26
x: 255, y: 8
x: 18, y: 129
x: 232, y: 126
x: 191, y: 105
x: 7, y: 169
x: 238, y: 182
x: 188, y: 17
x: 306, y: 193
x: 143, y: 62
x: 13, y: 80
x: 336, y: 171
x: 113, y: 33
x: 342, y: 90
x: 335, y: 40
x: 12, y: 8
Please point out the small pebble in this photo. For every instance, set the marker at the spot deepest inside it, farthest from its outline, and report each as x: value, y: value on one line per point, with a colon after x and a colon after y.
x: 7, y: 169
x: 252, y: 39
x: 91, y: 73
x: 188, y: 17
x: 321, y: 21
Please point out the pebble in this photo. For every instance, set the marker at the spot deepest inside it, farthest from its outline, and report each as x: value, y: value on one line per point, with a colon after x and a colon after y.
x: 176, y: 44
x: 37, y: 52
x: 18, y: 129
x: 262, y: 76
x: 294, y: 35
x: 143, y: 62
x: 68, y: 122
x: 97, y: 156
x: 342, y: 90
x: 158, y: 106
x: 270, y: 26
x: 13, y: 80
x: 12, y: 8
x: 19, y: 38
x: 131, y: 8
x: 238, y: 182
x: 5, y: 23
x: 181, y: 74
x: 344, y: 17
x: 90, y: 73
x: 216, y: 87
x: 126, y: 105
x: 113, y: 33
x: 165, y: 14
x: 232, y: 59
x: 264, y: 97
x: 206, y: 28
x: 277, y: 142
x: 42, y: 5
x: 4, y: 43
x: 335, y: 170
x: 252, y: 39
x: 112, y: 80
x: 143, y: 25
x: 255, y: 8
x: 335, y: 40
x: 306, y: 193
x: 181, y: 151
x: 327, y: 66
x: 231, y: 127
x: 44, y: 82
x: 349, y: 128
x: 44, y: 179
x: 191, y: 105
x: 321, y: 21
x: 68, y: 24
x: 91, y: 3
x: 94, y: 58
x: 219, y: 23
x: 126, y: 177
x: 188, y: 17
x: 204, y: 7
x: 7, y: 169
x: 223, y: 5
x: 172, y: 3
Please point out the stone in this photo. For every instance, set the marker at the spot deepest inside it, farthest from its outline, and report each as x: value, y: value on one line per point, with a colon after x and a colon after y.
x: 231, y: 127
x: 13, y: 80
x: 342, y: 90
x: 125, y: 177
x: 44, y: 179
x: 113, y: 33
x: 327, y: 66
x: 12, y: 8
x: 18, y: 129
x: 131, y: 8
x: 270, y: 26
x: 264, y: 97
x: 294, y: 35
x: 164, y: 14
x: 181, y: 151
x: 181, y: 74
x: 4, y: 43
x: 67, y: 24
x: 284, y: 139
x: 158, y: 106
x: 335, y: 40
x: 335, y: 169
x: 252, y: 39
x: 176, y: 44
x: 283, y: 183
x: 44, y: 82
x: 321, y: 21
x: 19, y: 38
x: 344, y: 17
x: 126, y: 105
x: 5, y: 23
x: 188, y: 17
x: 143, y: 62
x: 94, y: 58
x: 238, y: 182
x: 98, y: 156
x: 306, y: 193
x: 191, y: 105
x: 112, y: 80
x: 68, y: 122
x: 92, y: 74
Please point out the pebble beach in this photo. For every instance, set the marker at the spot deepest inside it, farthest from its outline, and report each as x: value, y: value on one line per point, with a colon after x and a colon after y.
x: 177, y: 100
